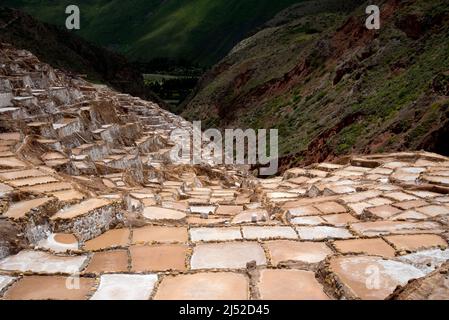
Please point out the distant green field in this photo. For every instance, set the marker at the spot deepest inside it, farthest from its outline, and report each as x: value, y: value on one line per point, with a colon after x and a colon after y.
x: 200, y: 31
x: 173, y: 89
x: 155, y: 77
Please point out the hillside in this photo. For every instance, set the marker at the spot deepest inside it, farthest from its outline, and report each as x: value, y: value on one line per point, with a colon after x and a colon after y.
x: 199, y: 31
x: 333, y: 87
x: 67, y: 51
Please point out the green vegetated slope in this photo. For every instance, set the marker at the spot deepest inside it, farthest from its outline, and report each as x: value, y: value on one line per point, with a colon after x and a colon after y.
x: 199, y: 31
x: 333, y: 87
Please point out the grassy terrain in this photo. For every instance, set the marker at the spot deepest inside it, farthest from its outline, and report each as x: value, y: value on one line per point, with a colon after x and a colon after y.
x: 200, y: 31
x: 331, y: 87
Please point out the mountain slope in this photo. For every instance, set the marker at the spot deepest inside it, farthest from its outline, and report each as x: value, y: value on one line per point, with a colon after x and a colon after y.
x: 200, y: 31
x: 333, y: 87
x: 67, y: 51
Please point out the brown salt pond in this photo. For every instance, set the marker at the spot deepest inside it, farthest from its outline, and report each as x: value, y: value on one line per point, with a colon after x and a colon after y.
x: 416, y: 242
x: 11, y: 162
x: 11, y: 136
x: 109, y: 239
x: 340, y: 219
x: 68, y: 195
x: 290, y: 285
x: 157, y: 213
x: 158, y: 257
x: 49, y: 288
x: 229, y: 210
x: 65, y: 238
x: 48, y: 187
x: 376, y: 246
x: 261, y: 215
x: 160, y: 234
x: 20, y: 209
x: 195, y: 220
x: 12, y: 175
x: 108, y: 262
x: 81, y: 208
x: 32, y: 181
x: 307, y: 252
x: 204, y: 286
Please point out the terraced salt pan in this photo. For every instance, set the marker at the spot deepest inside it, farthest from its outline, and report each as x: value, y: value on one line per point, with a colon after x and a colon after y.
x: 49, y: 187
x: 32, y: 181
x: 206, y: 222
x: 12, y: 162
x: 259, y: 232
x: 52, y: 156
x: 304, y: 211
x: 42, y: 262
x: 109, y: 239
x: 68, y: 195
x: 340, y: 219
x: 12, y: 175
x: 376, y: 246
x: 20, y: 209
x: 377, y: 228
x: 81, y: 208
x: 215, y: 234
x: 320, y: 233
x: 125, y: 287
x: 111, y: 261
x: 427, y: 260
x: 5, y: 281
x: 162, y: 257
x: 202, y: 209
x: 372, y: 278
x: 204, y: 286
x: 4, y: 189
x: 249, y: 215
x: 290, y: 285
x: 157, y: 213
x: 160, y: 234
x: 59, y: 243
x: 287, y: 250
x: 229, y: 210
x: 49, y: 288
x: 227, y: 255
x: 12, y: 136
x: 417, y: 242
x: 309, y: 220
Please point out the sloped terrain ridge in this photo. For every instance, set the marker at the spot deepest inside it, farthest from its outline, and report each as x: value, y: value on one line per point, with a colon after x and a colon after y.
x: 89, y: 197
x: 65, y: 50
x: 332, y: 87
